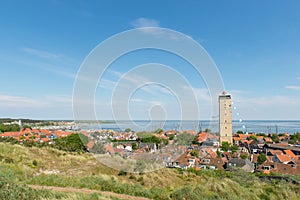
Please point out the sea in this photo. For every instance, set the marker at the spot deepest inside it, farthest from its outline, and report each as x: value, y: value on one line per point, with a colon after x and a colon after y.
x: 247, y: 126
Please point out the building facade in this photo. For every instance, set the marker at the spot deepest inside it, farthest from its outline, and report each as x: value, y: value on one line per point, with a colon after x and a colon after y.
x: 225, y: 118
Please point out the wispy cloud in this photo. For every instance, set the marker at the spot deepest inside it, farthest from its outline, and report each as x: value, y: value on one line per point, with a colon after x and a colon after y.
x: 144, y: 22
x: 60, y: 99
x: 152, y: 27
x: 20, y: 101
x: 41, y: 53
x: 293, y: 87
x: 298, y: 78
x: 136, y: 80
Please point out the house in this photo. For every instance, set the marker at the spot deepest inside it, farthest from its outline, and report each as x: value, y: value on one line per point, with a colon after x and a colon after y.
x: 184, y: 161
x: 275, y: 167
x: 290, y: 154
x: 256, y: 146
x: 90, y: 145
x: 243, y: 164
x: 268, y: 140
x: 211, y: 163
x: 282, y: 159
x: 128, y: 147
x: 274, y: 152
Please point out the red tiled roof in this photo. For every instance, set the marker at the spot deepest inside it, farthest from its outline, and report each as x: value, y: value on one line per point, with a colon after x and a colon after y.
x: 283, y: 158
x: 276, y: 152
x: 289, y: 153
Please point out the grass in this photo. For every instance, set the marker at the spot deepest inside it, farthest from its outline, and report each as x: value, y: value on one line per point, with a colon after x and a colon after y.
x: 51, y: 167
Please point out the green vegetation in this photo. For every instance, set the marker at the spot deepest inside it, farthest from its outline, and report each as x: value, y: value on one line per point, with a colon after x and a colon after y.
x: 195, y: 153
x: 127, y: 130
x: 171, y: 137
x: 73, y: 143
x: 226, y: 147
x: 154, y: 139
x: 159, y: 130
x: 261, y: 158
x: 185, y: 139
x: 295, y: 138
x: 275, y: 138
x: 21, y: 166
x: 9, y: 128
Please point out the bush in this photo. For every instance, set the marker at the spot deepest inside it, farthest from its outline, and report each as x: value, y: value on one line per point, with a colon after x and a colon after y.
x: 34, y: 163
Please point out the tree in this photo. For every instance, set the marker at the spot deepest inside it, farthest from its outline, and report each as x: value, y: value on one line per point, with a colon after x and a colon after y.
x: 261, y: 158
x: 26, y: 126
x: 171, y: 137
x: 207, y: 130
x: 73, y: 142
x: 239, y: 132
x: 275, y: 138
x: 243, y: 156
x: 135, y: 146
x: 195, y: 154
x: 234, y: 148
x: 252, y: 137
x: 225, y: 146
x: 185, y: 139
x: 219, y: 154
x: 127, y: 130
x: 9, y: 128
x: 159, y: 130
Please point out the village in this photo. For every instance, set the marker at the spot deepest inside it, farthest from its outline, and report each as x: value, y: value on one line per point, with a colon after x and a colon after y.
x: 186, y: 149
x: 264, y: 153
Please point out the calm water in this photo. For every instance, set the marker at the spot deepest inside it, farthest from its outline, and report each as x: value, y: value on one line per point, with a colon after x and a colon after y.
x: 258, y: 126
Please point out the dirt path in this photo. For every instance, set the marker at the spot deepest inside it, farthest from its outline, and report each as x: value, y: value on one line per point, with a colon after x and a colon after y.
x: 88, y: 191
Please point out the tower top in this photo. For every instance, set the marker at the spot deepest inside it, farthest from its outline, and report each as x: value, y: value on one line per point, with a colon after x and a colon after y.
x: 224, y: 94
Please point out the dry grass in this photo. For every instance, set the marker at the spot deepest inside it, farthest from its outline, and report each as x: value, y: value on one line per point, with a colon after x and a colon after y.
x: 61, y: 168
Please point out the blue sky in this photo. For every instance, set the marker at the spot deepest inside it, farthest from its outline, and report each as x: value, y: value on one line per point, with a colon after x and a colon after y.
x: 255, y: 45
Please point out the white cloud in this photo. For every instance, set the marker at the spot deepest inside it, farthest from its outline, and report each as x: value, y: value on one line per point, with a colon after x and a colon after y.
x: 41, y: 53
x: 144, y: 22
x: 60, y: 99
x: 293, y: 87
x: 274, y: 107
x: 20, y: 101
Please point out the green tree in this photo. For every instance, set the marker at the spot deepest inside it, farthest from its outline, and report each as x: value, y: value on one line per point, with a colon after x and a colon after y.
x: 159, y: 130
x: 9, y: 128
x: 225, y: 146
x: 219, y: 154
x: 185, y: 139
x: 195, y: 154
x: 135, y: 146
x: 252, y: 137
x: 239, y: 132
x: 127, y: 130
x: 171, y: 137
x: 207, y: 130
x: 243, y: 156
x: 261, y: 158
x: 73, y: 142
x: 27, y: 126
x: 234, y: 148
x: 275, y: 138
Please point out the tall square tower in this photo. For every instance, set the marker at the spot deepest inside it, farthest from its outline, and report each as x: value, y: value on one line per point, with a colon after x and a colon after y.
x: 225, y: 118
